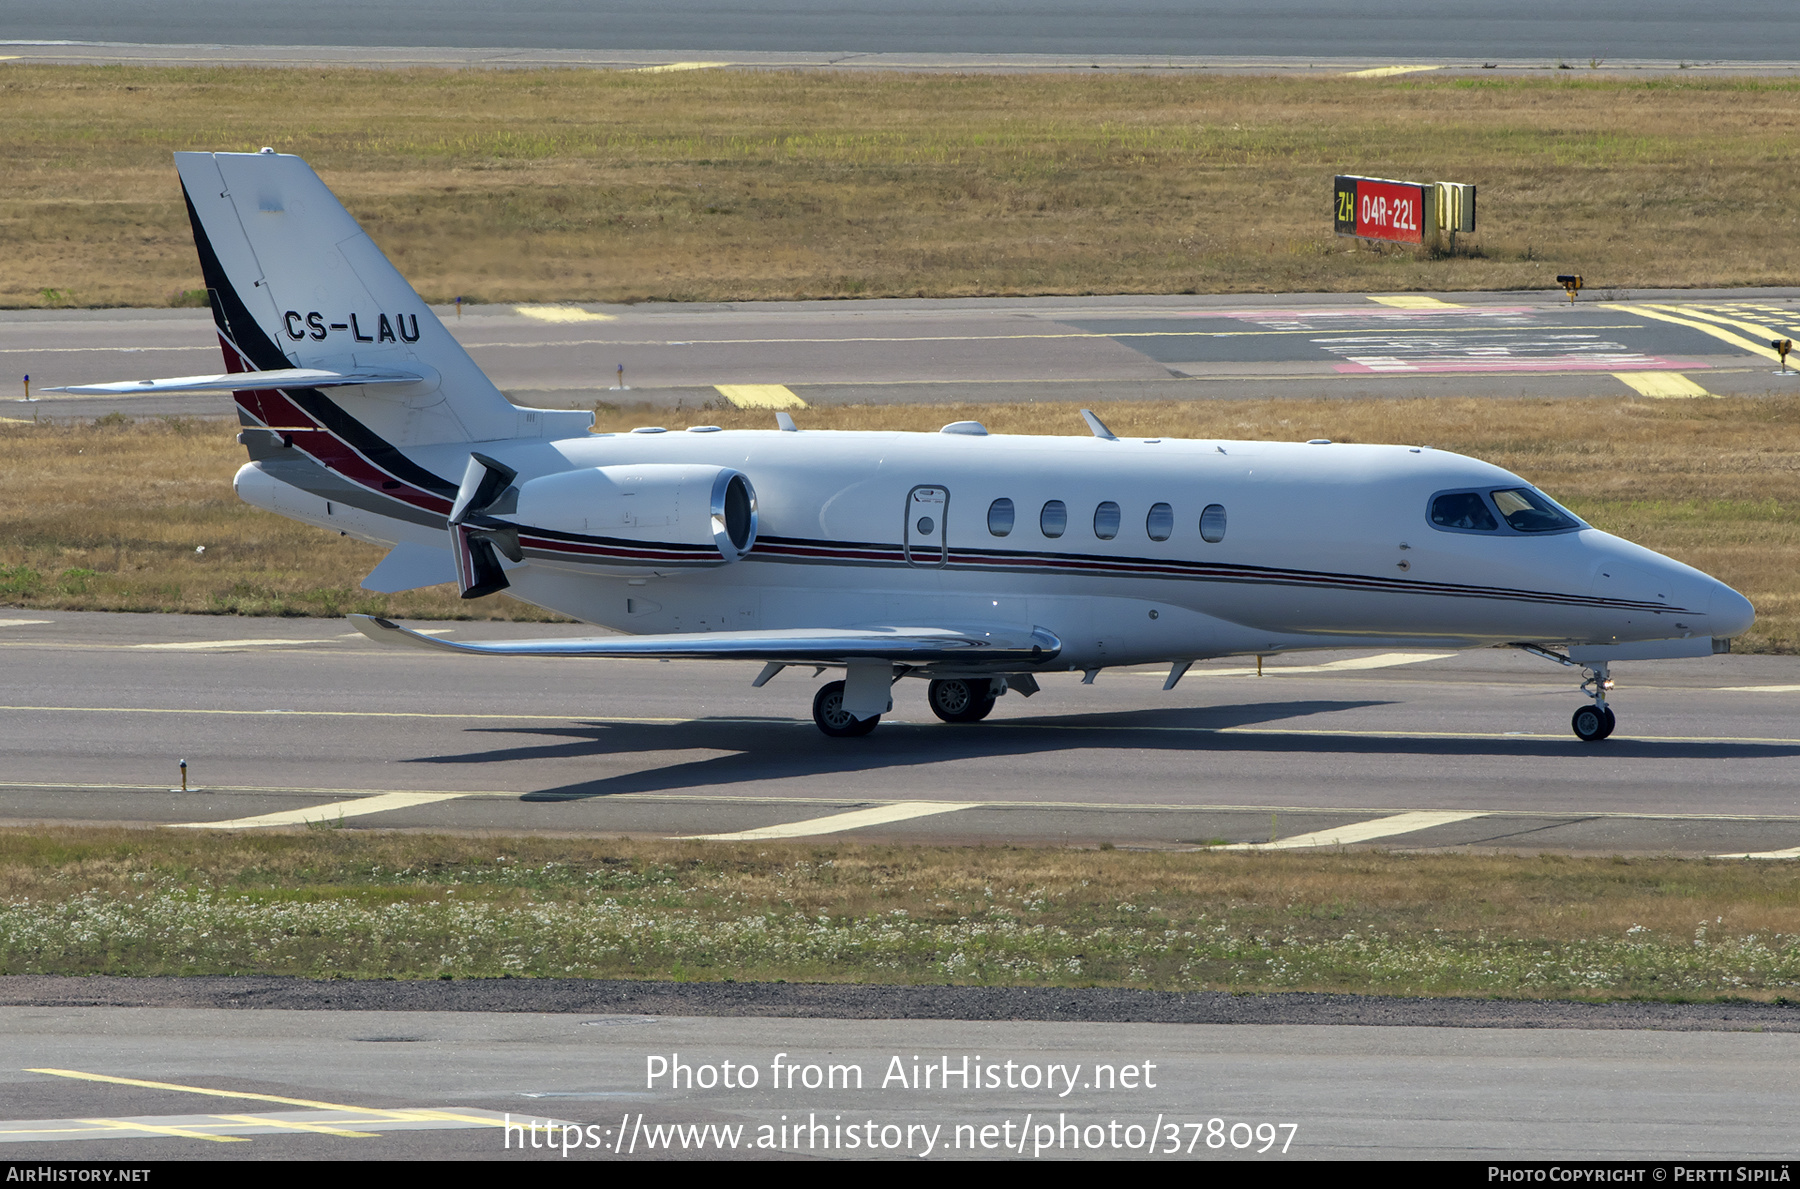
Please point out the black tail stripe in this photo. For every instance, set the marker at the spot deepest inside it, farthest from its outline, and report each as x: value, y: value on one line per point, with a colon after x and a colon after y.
x: 230, y: 314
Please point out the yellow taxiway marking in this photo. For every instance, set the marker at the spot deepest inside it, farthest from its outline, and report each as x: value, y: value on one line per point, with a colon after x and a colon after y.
x: 1667, y: 314
x: 760, y: 396
x: 411, y: 1115
x: 154, y: 1129
x: 563, y: 314
x: 331, y: 811
x: 1413, y: 301
x: 1344, y: 835
x: 1388, y: 71
x: 669, y: 66
x: 837, y: 823
x: 297, y: 1125
x: 206, y: 645
x: 1660, y: 384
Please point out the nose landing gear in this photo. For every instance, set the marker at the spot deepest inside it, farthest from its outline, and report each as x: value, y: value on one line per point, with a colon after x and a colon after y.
x: 1594, y: 723
x: 1591, y: 723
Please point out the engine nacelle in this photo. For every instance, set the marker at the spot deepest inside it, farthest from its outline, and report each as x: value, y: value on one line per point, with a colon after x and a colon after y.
x: 687, y: 505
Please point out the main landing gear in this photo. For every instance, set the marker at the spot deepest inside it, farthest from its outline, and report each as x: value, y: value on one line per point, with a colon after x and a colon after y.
x: 833, y: 719
x: 961, y: 699
x: 1594, y: 723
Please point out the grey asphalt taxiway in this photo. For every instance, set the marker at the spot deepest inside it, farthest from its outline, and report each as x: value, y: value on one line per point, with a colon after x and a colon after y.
x: 683, y: 358
x: 98, y: 1083
x: 288, y: 721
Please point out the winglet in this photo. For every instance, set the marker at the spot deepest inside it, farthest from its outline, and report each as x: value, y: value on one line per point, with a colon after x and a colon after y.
x: 1098, y: 426
x: 384, y: 631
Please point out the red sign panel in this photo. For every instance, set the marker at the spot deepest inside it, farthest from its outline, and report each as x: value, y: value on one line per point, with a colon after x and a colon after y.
x: 1375, y: 209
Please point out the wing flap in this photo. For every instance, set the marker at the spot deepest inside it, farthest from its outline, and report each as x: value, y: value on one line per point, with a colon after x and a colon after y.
x: 290, y: 377
x: 903, y: 645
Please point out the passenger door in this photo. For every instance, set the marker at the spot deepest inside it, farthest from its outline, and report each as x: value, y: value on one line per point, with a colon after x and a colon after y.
x: 926, y: 510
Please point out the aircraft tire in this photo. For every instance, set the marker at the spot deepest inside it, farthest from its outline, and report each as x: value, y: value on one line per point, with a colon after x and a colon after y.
x: 960, y: 699
x: 833, y: 719
x: 1591, y: 724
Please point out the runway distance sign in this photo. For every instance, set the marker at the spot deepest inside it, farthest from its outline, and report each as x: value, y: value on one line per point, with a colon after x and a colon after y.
x: 1376, y: 208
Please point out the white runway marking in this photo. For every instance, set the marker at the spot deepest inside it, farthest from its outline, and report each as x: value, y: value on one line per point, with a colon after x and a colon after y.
x: 1759, y: 689
x: 1792, y: 852
x: 856, y: 819
x: 563, y: 314
x: 330, y: 812
x: 1381, y: 827
x: 19, y: 623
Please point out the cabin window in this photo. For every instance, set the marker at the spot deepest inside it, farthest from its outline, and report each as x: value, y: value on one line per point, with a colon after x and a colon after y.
x: 1106, y: 521
x: 1212, y: 523
x: 1054, y: 519
x: 1000, y: 517
x: 1464, y: 510
x: 1528, y: 511
x: 1160, y: 523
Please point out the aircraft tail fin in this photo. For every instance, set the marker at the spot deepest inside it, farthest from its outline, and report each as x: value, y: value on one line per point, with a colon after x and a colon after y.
x: 296, y: 284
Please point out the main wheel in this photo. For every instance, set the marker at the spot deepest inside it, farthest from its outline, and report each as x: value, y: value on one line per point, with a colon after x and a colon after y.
x: 1593, y: 723
x: 961, y: 699
x: 833, y: 719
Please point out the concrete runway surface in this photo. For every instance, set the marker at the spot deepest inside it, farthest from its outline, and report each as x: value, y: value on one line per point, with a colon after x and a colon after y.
x: 167, y: 1083
x: 1090, y: 349
x: 288, y: 721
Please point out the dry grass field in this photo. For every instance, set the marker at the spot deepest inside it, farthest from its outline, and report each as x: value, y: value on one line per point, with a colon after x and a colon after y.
x: 591, y: 185
x: 108, y: 516
x: 373, y: 904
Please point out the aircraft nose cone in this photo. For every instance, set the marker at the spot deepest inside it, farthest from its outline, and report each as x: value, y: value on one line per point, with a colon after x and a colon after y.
x: 1729, y: 613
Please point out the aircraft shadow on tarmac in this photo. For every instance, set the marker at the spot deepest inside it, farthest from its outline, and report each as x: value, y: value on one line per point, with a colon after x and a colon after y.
x: 784, y: 748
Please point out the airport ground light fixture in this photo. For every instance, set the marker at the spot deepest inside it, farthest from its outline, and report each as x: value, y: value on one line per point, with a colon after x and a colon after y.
x: 1572, y: 283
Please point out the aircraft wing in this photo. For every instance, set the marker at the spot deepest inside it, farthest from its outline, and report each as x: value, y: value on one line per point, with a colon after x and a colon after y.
x: 822, y: 646
x: 291, y: 377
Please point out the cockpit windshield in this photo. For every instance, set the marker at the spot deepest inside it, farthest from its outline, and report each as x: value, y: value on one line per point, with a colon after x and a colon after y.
x: 1464, y: 510
x: 1529, y: 512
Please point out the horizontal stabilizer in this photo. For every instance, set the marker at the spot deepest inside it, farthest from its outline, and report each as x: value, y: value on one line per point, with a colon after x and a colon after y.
x: 290, y: 377
x: 820, y: 646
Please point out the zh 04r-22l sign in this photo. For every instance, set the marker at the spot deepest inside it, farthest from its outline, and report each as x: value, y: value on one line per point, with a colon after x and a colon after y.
x: 1401, y: 212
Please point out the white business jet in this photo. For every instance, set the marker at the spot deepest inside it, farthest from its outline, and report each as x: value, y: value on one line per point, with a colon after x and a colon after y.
x: 976, y: 561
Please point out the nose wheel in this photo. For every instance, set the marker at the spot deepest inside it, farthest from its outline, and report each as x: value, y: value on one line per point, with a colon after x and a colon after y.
x: 1593, y: 723
x: 833, y: 719
x: 961, y: 699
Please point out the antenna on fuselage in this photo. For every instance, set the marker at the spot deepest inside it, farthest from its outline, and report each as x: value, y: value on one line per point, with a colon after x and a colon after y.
x: 1098, y: 426
x: 786, y: 423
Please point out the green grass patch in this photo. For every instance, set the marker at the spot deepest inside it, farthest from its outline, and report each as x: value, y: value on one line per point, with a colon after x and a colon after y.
x: 557, y: 185
x: 330, y: 903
